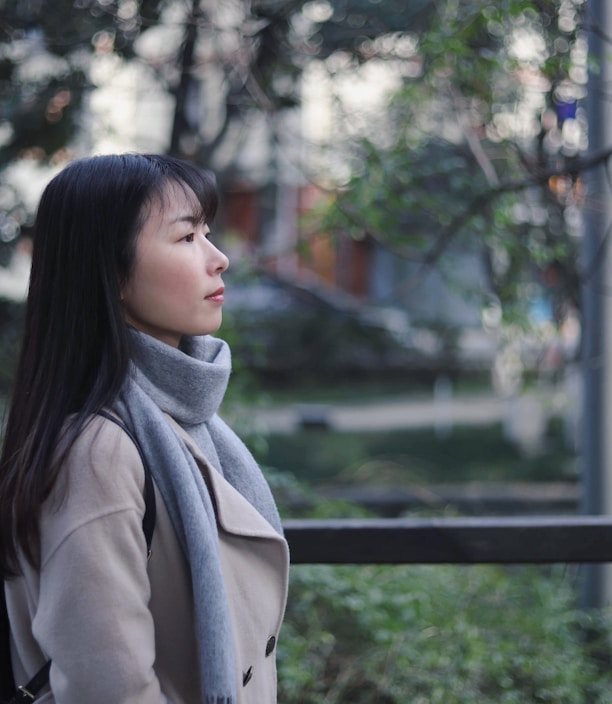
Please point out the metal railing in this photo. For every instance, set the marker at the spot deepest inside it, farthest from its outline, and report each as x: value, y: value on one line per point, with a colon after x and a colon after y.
x: 569, y: 539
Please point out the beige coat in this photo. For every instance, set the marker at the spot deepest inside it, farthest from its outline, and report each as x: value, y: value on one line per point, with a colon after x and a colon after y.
x: 118, y: 629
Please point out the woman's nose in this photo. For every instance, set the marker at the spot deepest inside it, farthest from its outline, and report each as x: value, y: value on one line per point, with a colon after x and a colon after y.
x: 221, y: 262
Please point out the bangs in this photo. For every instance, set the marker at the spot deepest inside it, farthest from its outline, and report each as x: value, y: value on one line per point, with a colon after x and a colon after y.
x: 163, y: 194
x: 194, y: 181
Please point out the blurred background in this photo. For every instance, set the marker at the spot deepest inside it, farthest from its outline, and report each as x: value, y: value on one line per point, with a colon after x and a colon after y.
x: 402, y: 200
x: 398, y: 203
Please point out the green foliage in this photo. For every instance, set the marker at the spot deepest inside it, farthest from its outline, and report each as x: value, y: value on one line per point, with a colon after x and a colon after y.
x: 396, y: 195
x: 416, y: 456
x: 295, y: 499
x: 436, y: 635
x: 455, y: 162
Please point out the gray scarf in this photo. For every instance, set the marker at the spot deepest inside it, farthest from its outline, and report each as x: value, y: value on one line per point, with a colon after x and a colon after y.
x: 189, y: 384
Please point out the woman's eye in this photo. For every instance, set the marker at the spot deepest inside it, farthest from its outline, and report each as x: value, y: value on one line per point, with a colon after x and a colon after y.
x: 190, y: 237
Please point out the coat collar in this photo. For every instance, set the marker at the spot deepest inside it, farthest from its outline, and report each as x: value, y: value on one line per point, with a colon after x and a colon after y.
x: 234, y: 513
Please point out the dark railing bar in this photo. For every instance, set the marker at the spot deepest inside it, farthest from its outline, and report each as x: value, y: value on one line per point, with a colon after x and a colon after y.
x: 518, y: 540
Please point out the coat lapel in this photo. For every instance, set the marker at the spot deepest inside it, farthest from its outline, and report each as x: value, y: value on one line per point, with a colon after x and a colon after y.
x: 234, y: 513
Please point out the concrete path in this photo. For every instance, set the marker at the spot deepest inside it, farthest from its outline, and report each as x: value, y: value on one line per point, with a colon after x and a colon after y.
x: 525, y: 414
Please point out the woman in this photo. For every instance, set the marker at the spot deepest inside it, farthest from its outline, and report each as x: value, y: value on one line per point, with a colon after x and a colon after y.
x: 126, y: 287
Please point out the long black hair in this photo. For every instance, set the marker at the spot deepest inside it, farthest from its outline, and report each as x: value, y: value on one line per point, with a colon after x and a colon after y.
x: 74, y: 354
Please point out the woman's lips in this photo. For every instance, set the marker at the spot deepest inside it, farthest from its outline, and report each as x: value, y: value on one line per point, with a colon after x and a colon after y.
x: 217, y: 296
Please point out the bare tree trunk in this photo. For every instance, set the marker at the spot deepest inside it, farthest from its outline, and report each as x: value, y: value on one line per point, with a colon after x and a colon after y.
x: 181, y: 126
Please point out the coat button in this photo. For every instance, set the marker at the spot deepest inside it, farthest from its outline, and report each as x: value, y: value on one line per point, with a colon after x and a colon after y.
x: 270, y: 645
x: 246, y: 676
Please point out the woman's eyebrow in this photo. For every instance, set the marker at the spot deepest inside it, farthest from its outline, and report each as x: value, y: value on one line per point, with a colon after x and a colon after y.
x: 192, y: 219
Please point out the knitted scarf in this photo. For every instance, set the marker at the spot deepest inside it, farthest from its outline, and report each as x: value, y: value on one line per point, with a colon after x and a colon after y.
x: 189, y: 384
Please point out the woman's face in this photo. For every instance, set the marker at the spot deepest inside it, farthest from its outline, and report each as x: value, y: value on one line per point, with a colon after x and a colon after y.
x: 175, y: 287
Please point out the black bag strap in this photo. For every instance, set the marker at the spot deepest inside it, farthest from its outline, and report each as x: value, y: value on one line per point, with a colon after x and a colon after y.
x: 148, y: 520
x: 7, y: 685
x: 28, y: 693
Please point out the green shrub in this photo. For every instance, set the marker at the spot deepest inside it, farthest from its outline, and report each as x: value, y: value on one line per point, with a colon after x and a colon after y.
x: 417, y: 456
x: 443, y: 634
x: 436, y: 635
